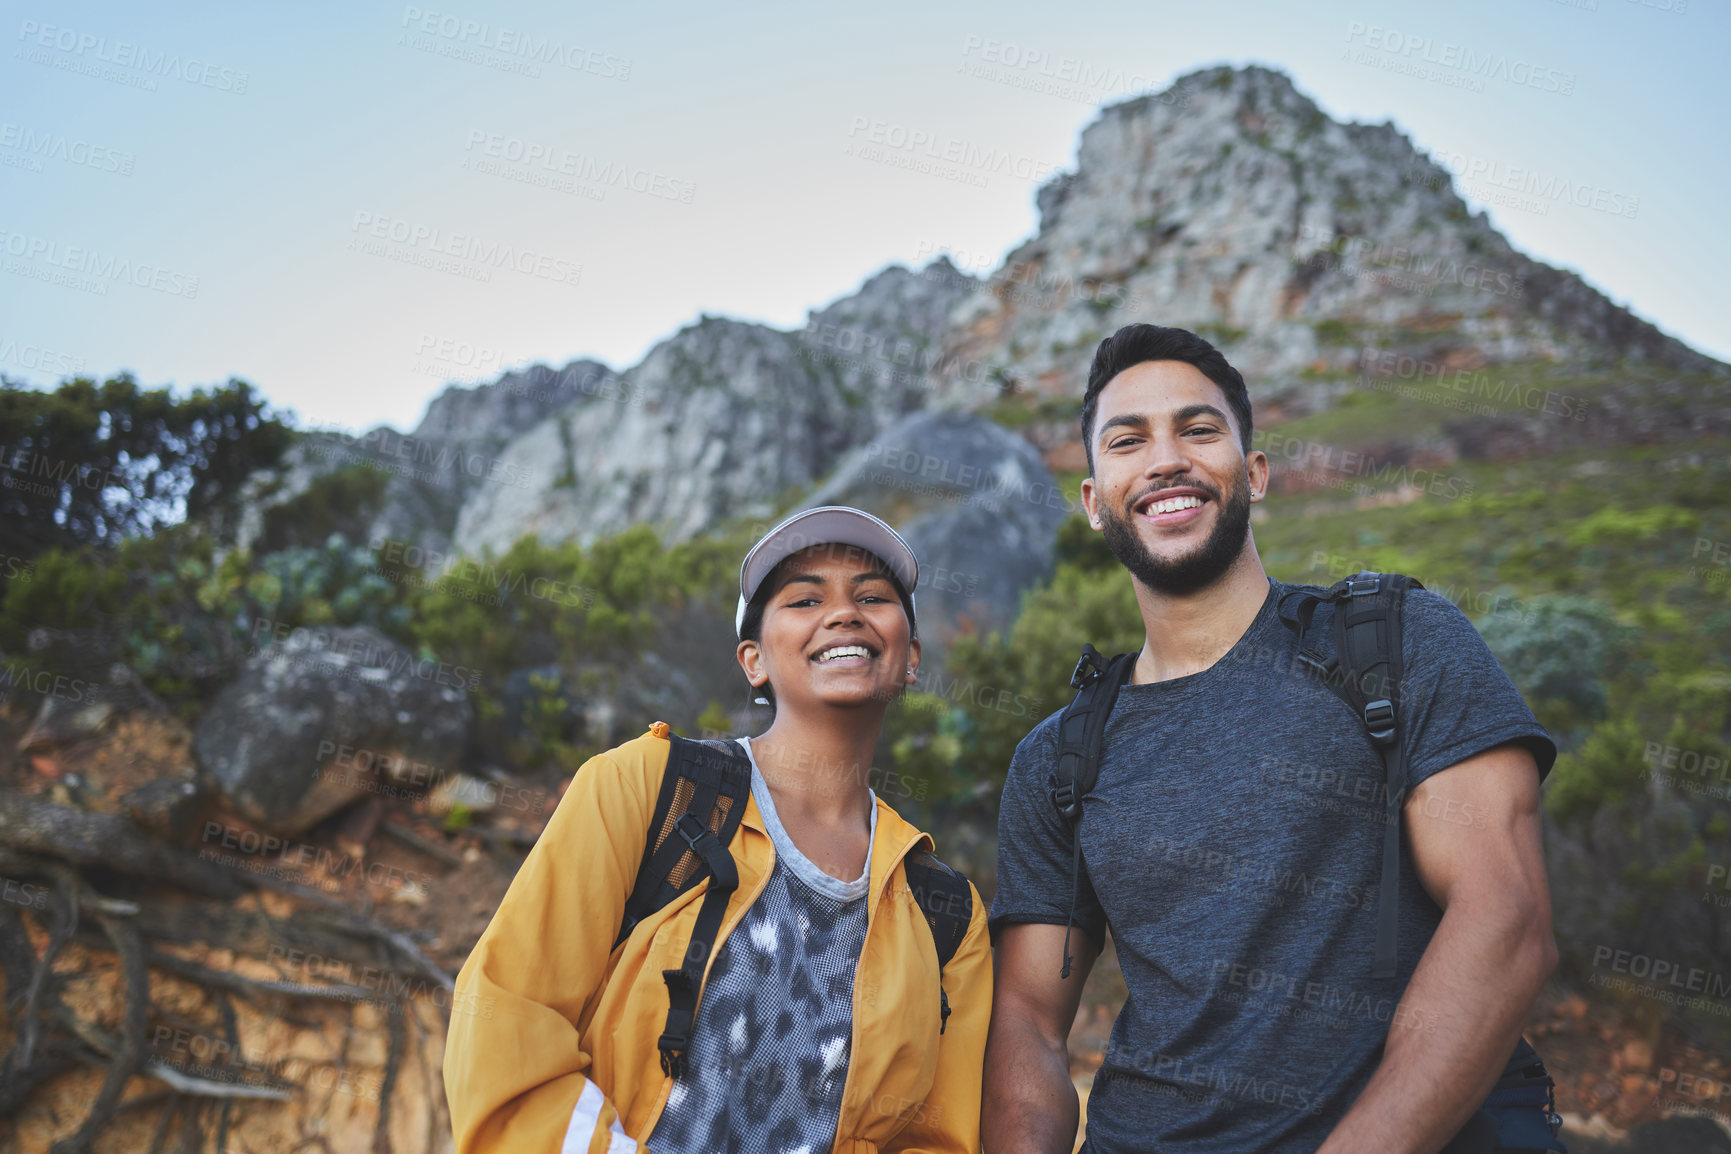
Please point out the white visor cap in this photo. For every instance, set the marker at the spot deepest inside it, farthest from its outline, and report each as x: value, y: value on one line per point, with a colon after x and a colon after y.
x: 824, y: 525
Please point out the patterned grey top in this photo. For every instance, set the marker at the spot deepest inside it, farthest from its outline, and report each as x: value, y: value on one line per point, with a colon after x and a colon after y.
x: 774, y: 1030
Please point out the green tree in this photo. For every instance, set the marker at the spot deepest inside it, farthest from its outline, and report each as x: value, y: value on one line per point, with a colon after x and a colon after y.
x: 90, y: 464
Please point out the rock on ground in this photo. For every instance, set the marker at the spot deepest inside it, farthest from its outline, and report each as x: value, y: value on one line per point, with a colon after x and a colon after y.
x: 979, y: 508
x: 268, y: 738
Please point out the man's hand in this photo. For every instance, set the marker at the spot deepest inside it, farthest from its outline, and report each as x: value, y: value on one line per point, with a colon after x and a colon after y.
x: 1029, y: 1103
x: 1474, y: 833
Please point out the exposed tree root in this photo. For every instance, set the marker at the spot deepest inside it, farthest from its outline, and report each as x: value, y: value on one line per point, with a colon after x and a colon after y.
x: 109, y: 888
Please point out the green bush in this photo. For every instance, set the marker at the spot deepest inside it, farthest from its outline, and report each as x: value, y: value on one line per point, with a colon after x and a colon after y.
x: 1604, y: 770
x: 996, y: 688
x: 589, y: 610
x: 1559, y: 652
x: 183, y: 616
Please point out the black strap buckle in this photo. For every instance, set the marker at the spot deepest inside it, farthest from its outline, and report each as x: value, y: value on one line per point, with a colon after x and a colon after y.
x: 1379, y: 719
x: 695, y: 833
x: 1317, y: 662
x: 1088, y: 669
x: 673, y: 1047
x: 1064, y: 797
x: 1361, y: 584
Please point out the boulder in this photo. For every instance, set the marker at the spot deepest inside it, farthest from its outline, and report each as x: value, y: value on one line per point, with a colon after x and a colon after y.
x: 979, y: 508
x: 318, y: 696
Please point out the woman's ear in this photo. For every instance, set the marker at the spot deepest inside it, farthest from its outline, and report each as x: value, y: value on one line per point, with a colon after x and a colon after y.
x: 913, y: 659
x: 750, y: 657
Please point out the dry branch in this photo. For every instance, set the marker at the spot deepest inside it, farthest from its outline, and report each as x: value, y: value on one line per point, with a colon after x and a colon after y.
x: 162, y: 1072
x: 62, y: 925
x: 424, y: 845
x: 240, y: 984
x: 30, y: 825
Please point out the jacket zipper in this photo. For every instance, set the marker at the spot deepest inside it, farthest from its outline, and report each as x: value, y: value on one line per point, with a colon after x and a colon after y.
x: 842, y: 1120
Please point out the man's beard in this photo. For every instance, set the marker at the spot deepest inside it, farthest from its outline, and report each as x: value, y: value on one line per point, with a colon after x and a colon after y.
x: 1196, y: 570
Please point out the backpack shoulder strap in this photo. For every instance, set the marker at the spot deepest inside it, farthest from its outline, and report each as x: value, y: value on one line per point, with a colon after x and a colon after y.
x: 1082, y: 727
x: 670, y: 865
x: 697, y: 812
x: 947, y: 900
x: 1081, y: 737
x: 1366, y: 672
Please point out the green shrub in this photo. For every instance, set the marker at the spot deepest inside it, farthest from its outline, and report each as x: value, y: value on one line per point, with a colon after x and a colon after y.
x: 1559, y: 652
x: 182, y: 616
x: 1604, y: 770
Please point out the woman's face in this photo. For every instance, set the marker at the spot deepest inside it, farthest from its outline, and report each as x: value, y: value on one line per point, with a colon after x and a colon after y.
x: 834, y: 632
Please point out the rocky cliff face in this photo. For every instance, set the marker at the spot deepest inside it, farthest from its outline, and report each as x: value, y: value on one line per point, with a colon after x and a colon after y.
x: 723, y: 419
x: 431, y: 472
x: 1292, y: 240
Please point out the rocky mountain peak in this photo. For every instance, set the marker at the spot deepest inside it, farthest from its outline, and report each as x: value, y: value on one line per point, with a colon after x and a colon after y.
x: 1232, y: 205
x: 515, y: 402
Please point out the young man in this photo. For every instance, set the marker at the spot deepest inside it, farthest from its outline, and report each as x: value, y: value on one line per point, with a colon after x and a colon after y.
x: 1233, y: 840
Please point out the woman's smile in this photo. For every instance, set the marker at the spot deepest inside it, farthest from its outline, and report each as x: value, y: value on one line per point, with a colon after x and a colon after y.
x: 850, y: 656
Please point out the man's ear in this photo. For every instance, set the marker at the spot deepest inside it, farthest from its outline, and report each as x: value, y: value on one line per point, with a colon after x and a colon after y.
x: 750, y: 657
x: 1256, y: 467
x: 1089, y: 497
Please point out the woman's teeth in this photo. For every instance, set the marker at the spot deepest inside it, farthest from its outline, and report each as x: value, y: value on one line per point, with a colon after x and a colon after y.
x: 844, y: 651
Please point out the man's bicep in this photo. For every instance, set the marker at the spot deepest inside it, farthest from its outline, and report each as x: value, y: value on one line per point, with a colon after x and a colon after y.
x: 1474, y: 829
x: 1026, y: 987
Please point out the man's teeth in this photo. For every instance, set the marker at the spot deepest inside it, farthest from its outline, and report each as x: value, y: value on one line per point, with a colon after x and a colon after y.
x: 1173, y: 504
x: 844, y: 651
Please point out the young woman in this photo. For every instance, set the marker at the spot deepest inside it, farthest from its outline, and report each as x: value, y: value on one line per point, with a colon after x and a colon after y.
x: 823, y: 1021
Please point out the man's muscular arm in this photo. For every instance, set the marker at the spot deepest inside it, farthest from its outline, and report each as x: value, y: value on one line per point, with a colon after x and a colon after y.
x: 1474, y: 833
x: 1029, y: 1105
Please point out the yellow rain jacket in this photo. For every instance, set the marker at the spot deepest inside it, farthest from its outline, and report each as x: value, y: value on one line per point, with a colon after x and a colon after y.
x: 552, y: 1039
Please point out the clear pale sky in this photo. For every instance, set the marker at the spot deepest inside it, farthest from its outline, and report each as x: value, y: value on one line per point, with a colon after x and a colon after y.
x: 238, y: 219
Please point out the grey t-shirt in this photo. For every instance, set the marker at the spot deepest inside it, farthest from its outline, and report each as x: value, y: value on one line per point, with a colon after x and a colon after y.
x: 774, y: 1030
x: 1233, y: 843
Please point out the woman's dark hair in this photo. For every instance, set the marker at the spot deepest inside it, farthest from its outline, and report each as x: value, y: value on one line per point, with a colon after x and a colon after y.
x: 1134, y: 344
x: 751, y: 628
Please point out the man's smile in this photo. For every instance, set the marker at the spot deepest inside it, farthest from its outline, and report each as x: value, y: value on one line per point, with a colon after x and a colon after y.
x: 1171, y: 506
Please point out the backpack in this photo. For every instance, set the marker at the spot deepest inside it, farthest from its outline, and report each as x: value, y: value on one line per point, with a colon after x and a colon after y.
x: 1365, y: 672
x: 702, y: 800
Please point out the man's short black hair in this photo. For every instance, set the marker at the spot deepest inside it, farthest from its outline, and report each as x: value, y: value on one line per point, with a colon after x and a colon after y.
x: 1134, y: 344
x: 751, y: 626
